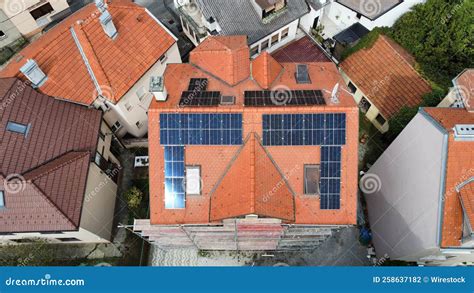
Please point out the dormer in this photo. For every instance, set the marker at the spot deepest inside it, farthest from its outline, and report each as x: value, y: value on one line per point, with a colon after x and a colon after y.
x: 34, y: 73
x: 267, y: 8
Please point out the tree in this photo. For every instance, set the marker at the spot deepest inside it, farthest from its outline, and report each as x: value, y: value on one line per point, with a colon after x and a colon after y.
x: 134, y: 198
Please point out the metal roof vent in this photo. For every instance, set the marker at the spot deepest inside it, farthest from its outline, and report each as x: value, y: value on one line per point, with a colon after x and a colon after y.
x: 34, y: 73
x: 464, y: 132
x: 227, y: 100
x: 106, y: 20
x: 302, y: 75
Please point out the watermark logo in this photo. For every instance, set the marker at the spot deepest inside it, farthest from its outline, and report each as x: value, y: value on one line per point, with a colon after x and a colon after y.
x: 193, y: 184
x: 281, y: 95
x: 370, y: 7
x: 370, y: 183
x: 465, y: 94
x: 14, y: 183
x: 13, y: 7
x: 104, y: 91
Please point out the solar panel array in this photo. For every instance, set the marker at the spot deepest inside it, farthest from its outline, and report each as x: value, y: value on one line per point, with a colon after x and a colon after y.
x: 330, y: 185
x: 327, y: 130
x: 174, y: 177
x: 201, y: 129
x: 283, y: 98
x: 304, y: 129
x: 200, y: 99
x: 198, y: 84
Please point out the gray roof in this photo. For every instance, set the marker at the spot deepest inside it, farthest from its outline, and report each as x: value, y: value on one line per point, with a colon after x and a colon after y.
x: 239, y: 17
x: 316, y: 4
x: 372, y: 9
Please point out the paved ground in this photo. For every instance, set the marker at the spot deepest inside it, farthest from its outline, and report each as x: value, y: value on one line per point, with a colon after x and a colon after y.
x: 342, y: 249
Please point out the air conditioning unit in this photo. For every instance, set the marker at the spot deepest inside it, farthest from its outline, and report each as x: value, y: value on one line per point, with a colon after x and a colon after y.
x: 157, y: 88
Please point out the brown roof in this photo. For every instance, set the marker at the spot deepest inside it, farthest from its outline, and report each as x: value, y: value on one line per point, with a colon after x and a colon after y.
x: 117, y: 64
x: 465, y: 86
x: 302, y: 50
x: 467, y: 198
x: 385, y: 73
x: 49, y: 166
x: 459, y: 168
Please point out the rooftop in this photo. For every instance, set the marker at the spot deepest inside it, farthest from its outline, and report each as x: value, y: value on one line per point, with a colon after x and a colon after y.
x: 385, y: 73
x: 239, y: 17
x: 370, y: 9
x: 44, y: 171
x: 460, y: 159
x: 218, y: 61
x: 302, y: 50
x: 117, y: 64
x: 464, y: 84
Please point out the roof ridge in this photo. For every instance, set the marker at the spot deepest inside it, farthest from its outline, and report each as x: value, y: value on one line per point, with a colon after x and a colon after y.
x: 80, y: 155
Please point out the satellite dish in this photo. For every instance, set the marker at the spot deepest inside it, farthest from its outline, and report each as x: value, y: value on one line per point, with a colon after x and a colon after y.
x: 335, y: 94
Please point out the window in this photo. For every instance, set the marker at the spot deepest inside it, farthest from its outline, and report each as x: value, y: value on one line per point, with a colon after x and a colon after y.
x: 41, y: 11
x: 380, y: 119
x: 2, y: 199
x: 68, y: 239
x: 163, y: 58
x: 364, y: 105
x: 311, y: 179
x: 274, y: 39
x: 18, y: 128
x: 359, y: 16
x: 139, y: 124
x: 116, y: 127
x: 264, y: 45
x: 254, y: 51
x: 285, y: 33
x: 193, y: 180
x: 141, y: 92
x: 352, y: 87
x: 2, y: 35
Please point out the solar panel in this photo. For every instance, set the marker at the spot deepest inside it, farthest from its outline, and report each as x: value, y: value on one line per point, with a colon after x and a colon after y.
x: 198, y: 84
x: 200, y: 99
x: 304, y: 129
x: 302, y: 75
x: 330, y: 185
x: 201, y: 129
x: 289, y: 98
x: 174, y: 177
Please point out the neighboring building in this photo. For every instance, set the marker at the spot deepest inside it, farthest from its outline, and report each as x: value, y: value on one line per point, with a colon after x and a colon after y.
x: 268, y: 24
x: 57, y: 173
x: 336, y: 19
x: 420, y: 192
x: 461, y: 95
x: 9, y: 34
x: 30, y: 16
x: 105, y: 57
x: 383, y: 80
x: 250, y: 155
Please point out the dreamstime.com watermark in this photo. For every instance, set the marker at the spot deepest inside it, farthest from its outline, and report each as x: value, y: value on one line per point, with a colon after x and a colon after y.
x: 45, y: 281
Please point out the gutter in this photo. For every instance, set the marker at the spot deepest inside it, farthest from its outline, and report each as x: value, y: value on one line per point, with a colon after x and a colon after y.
x: 442, y: 189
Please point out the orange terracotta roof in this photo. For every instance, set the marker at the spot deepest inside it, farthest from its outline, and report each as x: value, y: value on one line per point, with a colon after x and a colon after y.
x: 117, y: 64
x: 465, y: 86
x: 467, y: 198
x: 227, y: 58
x: 265, y: 69
x: 385, y: 73
x: 459, y: 168
x: 242, y: 176
x: 262, y: 189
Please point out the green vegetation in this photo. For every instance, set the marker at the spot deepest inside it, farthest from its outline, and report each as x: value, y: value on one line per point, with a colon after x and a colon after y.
x: 134, y: 198
x: 366, y: 42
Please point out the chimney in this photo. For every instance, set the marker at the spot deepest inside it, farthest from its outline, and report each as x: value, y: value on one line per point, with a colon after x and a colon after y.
x: 157, y: 88
x: 106, y: 20
x: 34, y: 74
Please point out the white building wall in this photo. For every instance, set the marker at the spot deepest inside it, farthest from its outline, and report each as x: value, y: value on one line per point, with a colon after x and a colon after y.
x: 389, y: 18
x: 404, y: 206
x: 307, y: 21
x: 293, y: 29
x: 131, y: 110
x: 19, y: 13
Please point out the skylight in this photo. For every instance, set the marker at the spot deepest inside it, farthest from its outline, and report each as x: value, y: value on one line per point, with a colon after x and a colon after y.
x: 2, y: 199
x: 18, y: 128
